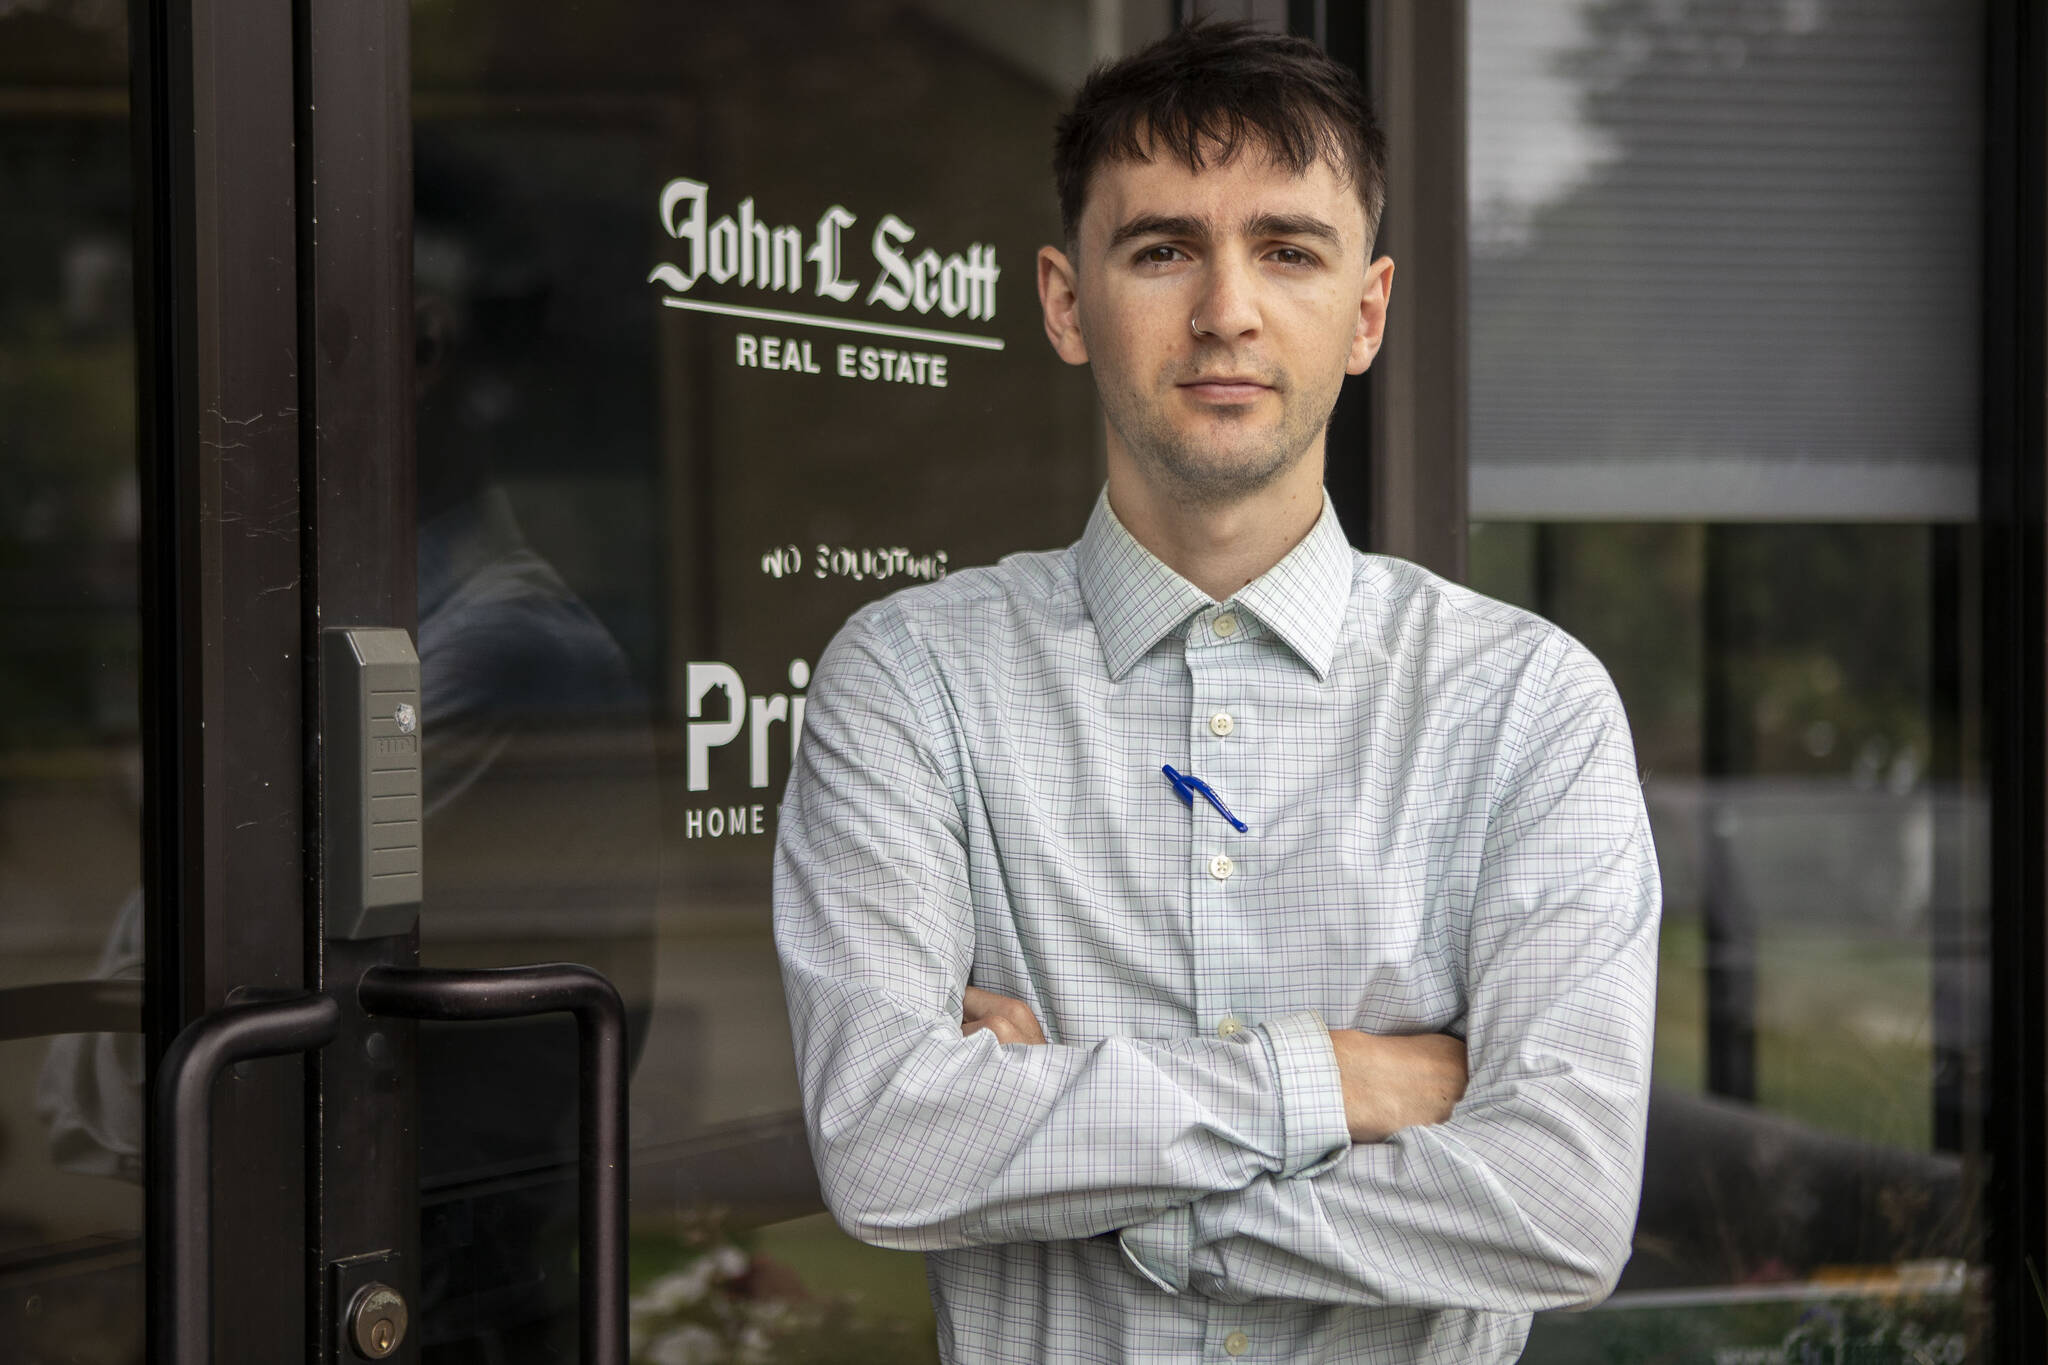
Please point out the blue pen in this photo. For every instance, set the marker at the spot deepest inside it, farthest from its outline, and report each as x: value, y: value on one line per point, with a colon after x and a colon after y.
x: 1188, y: 786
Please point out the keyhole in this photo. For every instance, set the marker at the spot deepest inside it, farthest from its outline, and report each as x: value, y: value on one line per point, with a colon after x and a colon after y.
x: 376, y: 1321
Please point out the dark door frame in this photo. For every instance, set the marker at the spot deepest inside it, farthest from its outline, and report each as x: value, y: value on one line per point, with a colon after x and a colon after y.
x: 218, y: 435
x: 2015, y: 538
x: 353, y: 71
x: 1395, y: 466
x: 1415, y: 467
x: 275, y: 374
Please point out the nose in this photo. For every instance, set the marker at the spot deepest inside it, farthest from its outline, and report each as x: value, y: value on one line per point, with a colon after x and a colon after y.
x: 1228, y: 307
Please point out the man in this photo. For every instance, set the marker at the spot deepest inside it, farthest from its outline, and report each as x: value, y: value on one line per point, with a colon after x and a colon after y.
x: 1161, y: 1066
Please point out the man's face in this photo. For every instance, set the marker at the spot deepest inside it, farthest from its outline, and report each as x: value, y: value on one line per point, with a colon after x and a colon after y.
x: 1221, y: 310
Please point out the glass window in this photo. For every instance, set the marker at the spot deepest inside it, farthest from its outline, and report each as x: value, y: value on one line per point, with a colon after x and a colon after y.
x: 1724, y: 319
x: 1725, y: 259
x: 70, y: 767
x: 728, y: 325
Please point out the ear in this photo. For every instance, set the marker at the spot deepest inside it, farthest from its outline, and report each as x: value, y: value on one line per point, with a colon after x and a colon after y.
x: 1372, y: 315
x: 1058, y: 297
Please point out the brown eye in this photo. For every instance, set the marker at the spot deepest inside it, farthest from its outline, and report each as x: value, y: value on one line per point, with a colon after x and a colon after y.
x: 1158, y: 255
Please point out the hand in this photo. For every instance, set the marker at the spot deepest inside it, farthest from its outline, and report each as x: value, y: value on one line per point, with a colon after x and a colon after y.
x: 1396, y: 1081
x: 1011, y: 1021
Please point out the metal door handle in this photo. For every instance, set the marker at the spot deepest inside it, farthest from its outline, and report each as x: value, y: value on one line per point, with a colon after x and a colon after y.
x: 515, y: 993
x: 181, y: 1155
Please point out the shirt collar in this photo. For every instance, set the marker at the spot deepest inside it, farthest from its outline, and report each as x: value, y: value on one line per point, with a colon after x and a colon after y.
x: 1303, y: 599
x: 1135, y: 599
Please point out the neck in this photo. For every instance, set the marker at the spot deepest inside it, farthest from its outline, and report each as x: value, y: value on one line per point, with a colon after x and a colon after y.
x: 1219, y: 547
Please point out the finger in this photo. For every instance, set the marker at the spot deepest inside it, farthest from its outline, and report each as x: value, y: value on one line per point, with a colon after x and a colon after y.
x: 978, y: 1002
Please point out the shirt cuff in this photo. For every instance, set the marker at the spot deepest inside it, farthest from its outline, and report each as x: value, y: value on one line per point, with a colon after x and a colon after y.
x: 1313, y: 1128
x: 1158, y: 1248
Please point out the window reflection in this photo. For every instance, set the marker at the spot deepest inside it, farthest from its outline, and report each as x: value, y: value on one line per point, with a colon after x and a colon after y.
x: 1801, y: 701
x: 1802, y: 752
x: 1705, y: 444
x: 538, y: 744
x: 1724, y: 259
x: 70, y: 778
x: 715, y: 494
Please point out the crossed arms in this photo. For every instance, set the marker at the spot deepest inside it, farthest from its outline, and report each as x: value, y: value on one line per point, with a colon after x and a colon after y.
x: 1288, y: 1161
x: 1390, y: 1081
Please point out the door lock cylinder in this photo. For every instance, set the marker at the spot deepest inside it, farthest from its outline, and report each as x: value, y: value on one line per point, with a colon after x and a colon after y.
x: 376, y: 1321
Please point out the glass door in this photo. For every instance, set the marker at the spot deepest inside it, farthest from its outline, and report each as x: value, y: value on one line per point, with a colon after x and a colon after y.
x: 713, y: 323
x: 71, y: 965
x: 150, y: 827
x: 728, y: 325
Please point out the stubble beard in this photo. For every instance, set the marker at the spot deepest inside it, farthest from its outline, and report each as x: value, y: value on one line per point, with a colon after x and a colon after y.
x: 1196, y: 475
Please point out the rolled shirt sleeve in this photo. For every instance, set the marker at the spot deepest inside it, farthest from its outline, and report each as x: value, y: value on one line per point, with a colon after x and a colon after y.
x: 1311, y: 1091
x: 1316, y: 1136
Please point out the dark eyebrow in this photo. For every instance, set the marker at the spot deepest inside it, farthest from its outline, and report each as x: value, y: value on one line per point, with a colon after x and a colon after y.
x: 1191, y: 229
x: 1292, y: 225
x: 1161, y: 225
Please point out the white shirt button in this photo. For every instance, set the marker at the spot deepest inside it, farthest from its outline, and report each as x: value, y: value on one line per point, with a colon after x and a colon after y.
x: 1229, y: 1028
x: 1220, y: 866
x: 1237, y: 1343
x: 1221, y: 724
x: 1225, y: 626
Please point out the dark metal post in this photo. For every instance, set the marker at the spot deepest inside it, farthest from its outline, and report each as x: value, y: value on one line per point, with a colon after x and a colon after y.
x: 2015, y: 527
x: 1416, y: 471
x: 217, y: 443
x: 1730, y: 920
x: 360, y: 540
x: 1956, y: 933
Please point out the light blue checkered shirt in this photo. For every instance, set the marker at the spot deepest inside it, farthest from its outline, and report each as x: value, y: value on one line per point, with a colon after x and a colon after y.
x: 1446, y: 834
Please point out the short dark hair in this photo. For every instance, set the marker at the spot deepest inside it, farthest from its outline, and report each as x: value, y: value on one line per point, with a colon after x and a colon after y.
x: 1209, y: 91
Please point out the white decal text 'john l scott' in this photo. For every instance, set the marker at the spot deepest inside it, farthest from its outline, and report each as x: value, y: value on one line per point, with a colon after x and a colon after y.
x: 739, y: 246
